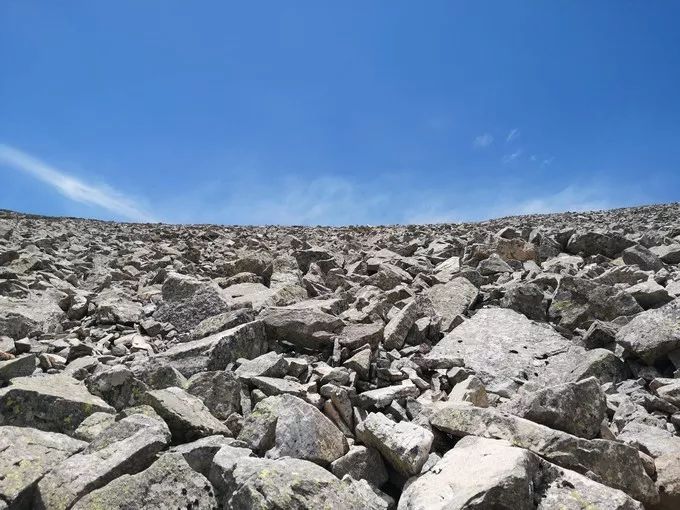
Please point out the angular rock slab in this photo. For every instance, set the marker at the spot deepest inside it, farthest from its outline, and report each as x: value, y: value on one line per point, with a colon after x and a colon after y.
x: 578, y: 302
x: 506, y: 345
x: 404, y: 445
x: 26, y: 454
x: 128, y: 446
x: 477, y: 473
x: 287, y: 426
x: 615, y: 464
x: 497, y: 475
x: 301, y: 326
x: 294, y: 483
x: 452, y: 299
x: 576, y: 408
x: 651, y: 335
x: 168, y: 483
x: 245, y: 341
x: 186, y: 415
x: 54, y: 403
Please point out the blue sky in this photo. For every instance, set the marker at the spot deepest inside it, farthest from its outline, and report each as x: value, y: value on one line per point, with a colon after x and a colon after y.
x: 350, y: 112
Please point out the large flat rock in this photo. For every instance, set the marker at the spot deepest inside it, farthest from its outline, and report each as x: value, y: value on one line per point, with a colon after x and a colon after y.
x: 56, y: 403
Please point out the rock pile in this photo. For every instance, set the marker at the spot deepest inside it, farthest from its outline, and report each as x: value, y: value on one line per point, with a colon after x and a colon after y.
x: 520, y: 363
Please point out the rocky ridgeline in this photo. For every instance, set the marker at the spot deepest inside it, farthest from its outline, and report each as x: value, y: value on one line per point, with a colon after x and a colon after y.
x: 526, y: 362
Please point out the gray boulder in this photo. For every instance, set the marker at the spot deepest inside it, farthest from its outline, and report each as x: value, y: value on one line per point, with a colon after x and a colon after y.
x: 306, y: 328
x: 642, y: 257
x: 361, y: 463
x: 168, y: 483
x: 26, y: 455
x: 668, y: 253
x: 287, y: 426
x: 128, y: 446
x: 452, y: 299
x: 578, y: 302
x: 614, y: 464
x: 38, y: 313
x: 652, y: 334
x: 187, y: 302
x: 293, y: 483
x: 244, y: 341
x: 527, y: 299
x: 404, y: 445
x: 574, y: 407
x: 56, y: 403
x: 596, y: 243
x: 397, y: 328
x: 503, y: 346
x: 22, y: 366
x: 185, y: 414
x: 115, y: 306
x: 498, y: 475
x: 219, y: 391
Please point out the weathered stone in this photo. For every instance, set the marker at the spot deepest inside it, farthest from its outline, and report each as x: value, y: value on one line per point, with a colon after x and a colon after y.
x: 470, y: 390
x: 404, y: 446
x: 222, y: 322
x: 168, y: 483
x: 276, y: 386
x: 56, y: 403
x: 503, y: 346
x: 270, y: 364
x: 244, y: 341
x: 185, y: 414
x: 354, y: 336
x: 577, y: 408
x: 199, y: 454
x: 361, y: 463
x: 22, y: 366
x: 94, y: 425
x: 26, y: 455
x: 496, y: 475
x: 127, y: 446
x: 287, y: 426
x: 652, y: 334
x: 398, y: 327
x: 360, y: 363
x: 527, y: 299
x: 615, y: 464
x: 578, y: 302
x: 116, y: 306
x: 641, y: 257
x: 305, y: 328
x: 452, y: 299
x: 219, y: 391
x: 382, y: 397
x: 187, y: 302
x: 596, y: 243
x: 39, y: 313
x: 293, y: 483
x: 669, y: 253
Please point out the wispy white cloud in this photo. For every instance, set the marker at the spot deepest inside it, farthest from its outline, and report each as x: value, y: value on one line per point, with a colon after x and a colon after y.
x: 571, y: 198
x: 482, y: 141
x: 73, y: 188
x: 513, y: 156
x: 512, y: 135
x: 547, y: 161
x: 493, y: 204
x: 324, y: 200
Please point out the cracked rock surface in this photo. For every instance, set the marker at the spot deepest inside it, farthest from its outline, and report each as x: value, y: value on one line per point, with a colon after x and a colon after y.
x: 528, y: 362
